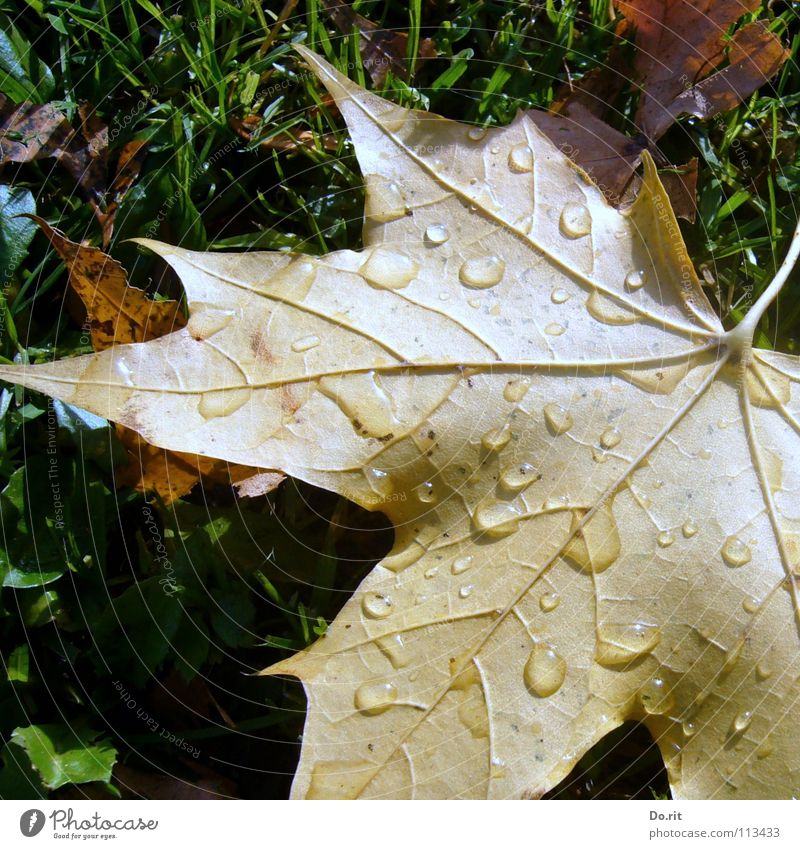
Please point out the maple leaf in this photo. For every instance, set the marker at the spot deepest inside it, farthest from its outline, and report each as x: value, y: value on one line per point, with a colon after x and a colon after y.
x: 593, y: 485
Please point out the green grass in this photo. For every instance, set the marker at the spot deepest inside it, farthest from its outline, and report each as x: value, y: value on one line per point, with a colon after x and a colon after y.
x: 259, y: 577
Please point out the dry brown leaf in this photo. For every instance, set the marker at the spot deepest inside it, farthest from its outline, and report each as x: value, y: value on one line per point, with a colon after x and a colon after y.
x: 382, y: 50
x: 593, y: 484
x: 118, y: 313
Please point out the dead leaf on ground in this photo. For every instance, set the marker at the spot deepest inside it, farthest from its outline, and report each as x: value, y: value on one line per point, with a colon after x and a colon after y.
x: 593, y: 484
x: 381, y: 50
x: 118, y: 313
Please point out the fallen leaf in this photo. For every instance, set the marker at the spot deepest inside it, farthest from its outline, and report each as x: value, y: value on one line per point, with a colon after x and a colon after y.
x: 593, y: 484
x: 382, y: 50
x: 118, y: 313
x: 679, y: 44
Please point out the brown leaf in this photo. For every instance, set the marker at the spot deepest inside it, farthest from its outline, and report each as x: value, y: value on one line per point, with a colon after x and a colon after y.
x: 681, y: 42
x: 382, y: 50
x: 117, y: 314
x: 283, y: 141
x: 129, y: 164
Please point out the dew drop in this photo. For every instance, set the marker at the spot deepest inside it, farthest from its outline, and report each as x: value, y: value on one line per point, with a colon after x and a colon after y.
x: 374, y: 699
x: 497, y: 767
x: 494, y: 150
x: 425, y: 493
x: 596, y: 545
x: 620, y: 644
x: 554, y: 329
x: 518, y: 476
x: 656, y: 696
x: 404, y: 558
x: 576, y: 220
x: 339, y: 779
x: 476, y: 133
x: 742, y: 721
x: 634, y: 280
x: 497, y: 519
x: 387, y: 268
x: 732, y: 656
x: 305, y: 343
x: 689, y: 728
x: 556, y: 502
x: 395, y: 650
x: 689, y: 529
x: 461, y: 565
x: 376, y: 605
x: 545, y: 671
x: 735, y: 552
x: 466, y: 591
x: 704, y: 454
x: 665, y: 539
x: 751, y: 604
x: 607, y: 311
x: 763, y: 670
x: 482, y: 272
x: 298, y: 276
x: 380, y: 481
x: 207, y: 321
x: 558, y: 419
x: 610, y: 437
x: 516, y: 389
x: 520, y: 159
x: 549, y: 601
x: 599, y: 455
x: 497, y: 439
x: 475, y: 303
x: 560, y: 296
x: 765, y: 749
x: 437, y: 234
x: 362, y: 398
x: 432, y: 572
x: 121, y: 368
x: 384, y: 201
x: 222, y: 402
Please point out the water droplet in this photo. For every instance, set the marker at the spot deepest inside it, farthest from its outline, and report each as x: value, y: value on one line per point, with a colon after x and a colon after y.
x: 363, y: 400
x: 384, y: 201
x: 497, y: 519
x: 560, y: 296
x: 765, y: 749
x: 545, y: 671
x: 298, y: 275
x: 432, y: 572
x: 121, y: 368
x: 516, y: 389
x: 742, y: 721
x: 596, y: 545
x: 607, y: 311
x: 437, y: 234
x: 461, y: 565
x: 665, y: 539
x: 376, y: 605
x: 558, y: 419
x: 520, y: 158
x: 466, y: 591
x: 404, y: 558
x: 735, y: 552
x: 549, y: 601
x: 475, y: 303
x: 387, y: 268
x: 732, y: 656
x: 656, y: 696
x: 704, y: 454
x: 519, y: 476
x: 374, y: 699
x: 395, y: 650
x: 689, y: 529
x: 576, y: 220
x: 205, y: 321
x: 482, y: 272
x: 476, y: 133
x: 620, y: 644
x: 634, y: 280
x: 222, y: 402
x: 763, y: 670
x: 497, y: 767
x: 751, y: 604
x: 494, y: 150
x: 425, y: 493
x: 339, y: 779
x: 556, y: 502
x: 380, y: 481
x: 599, y: 455
x: 497, y: 439
x: 305, y: 343
x: 689, y: 728
x: 610, y: 437
x: 554, y: 329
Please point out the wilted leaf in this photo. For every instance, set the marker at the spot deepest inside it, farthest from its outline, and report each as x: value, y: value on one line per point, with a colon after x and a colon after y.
x: 593, y: 485
x: 382, y: 50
